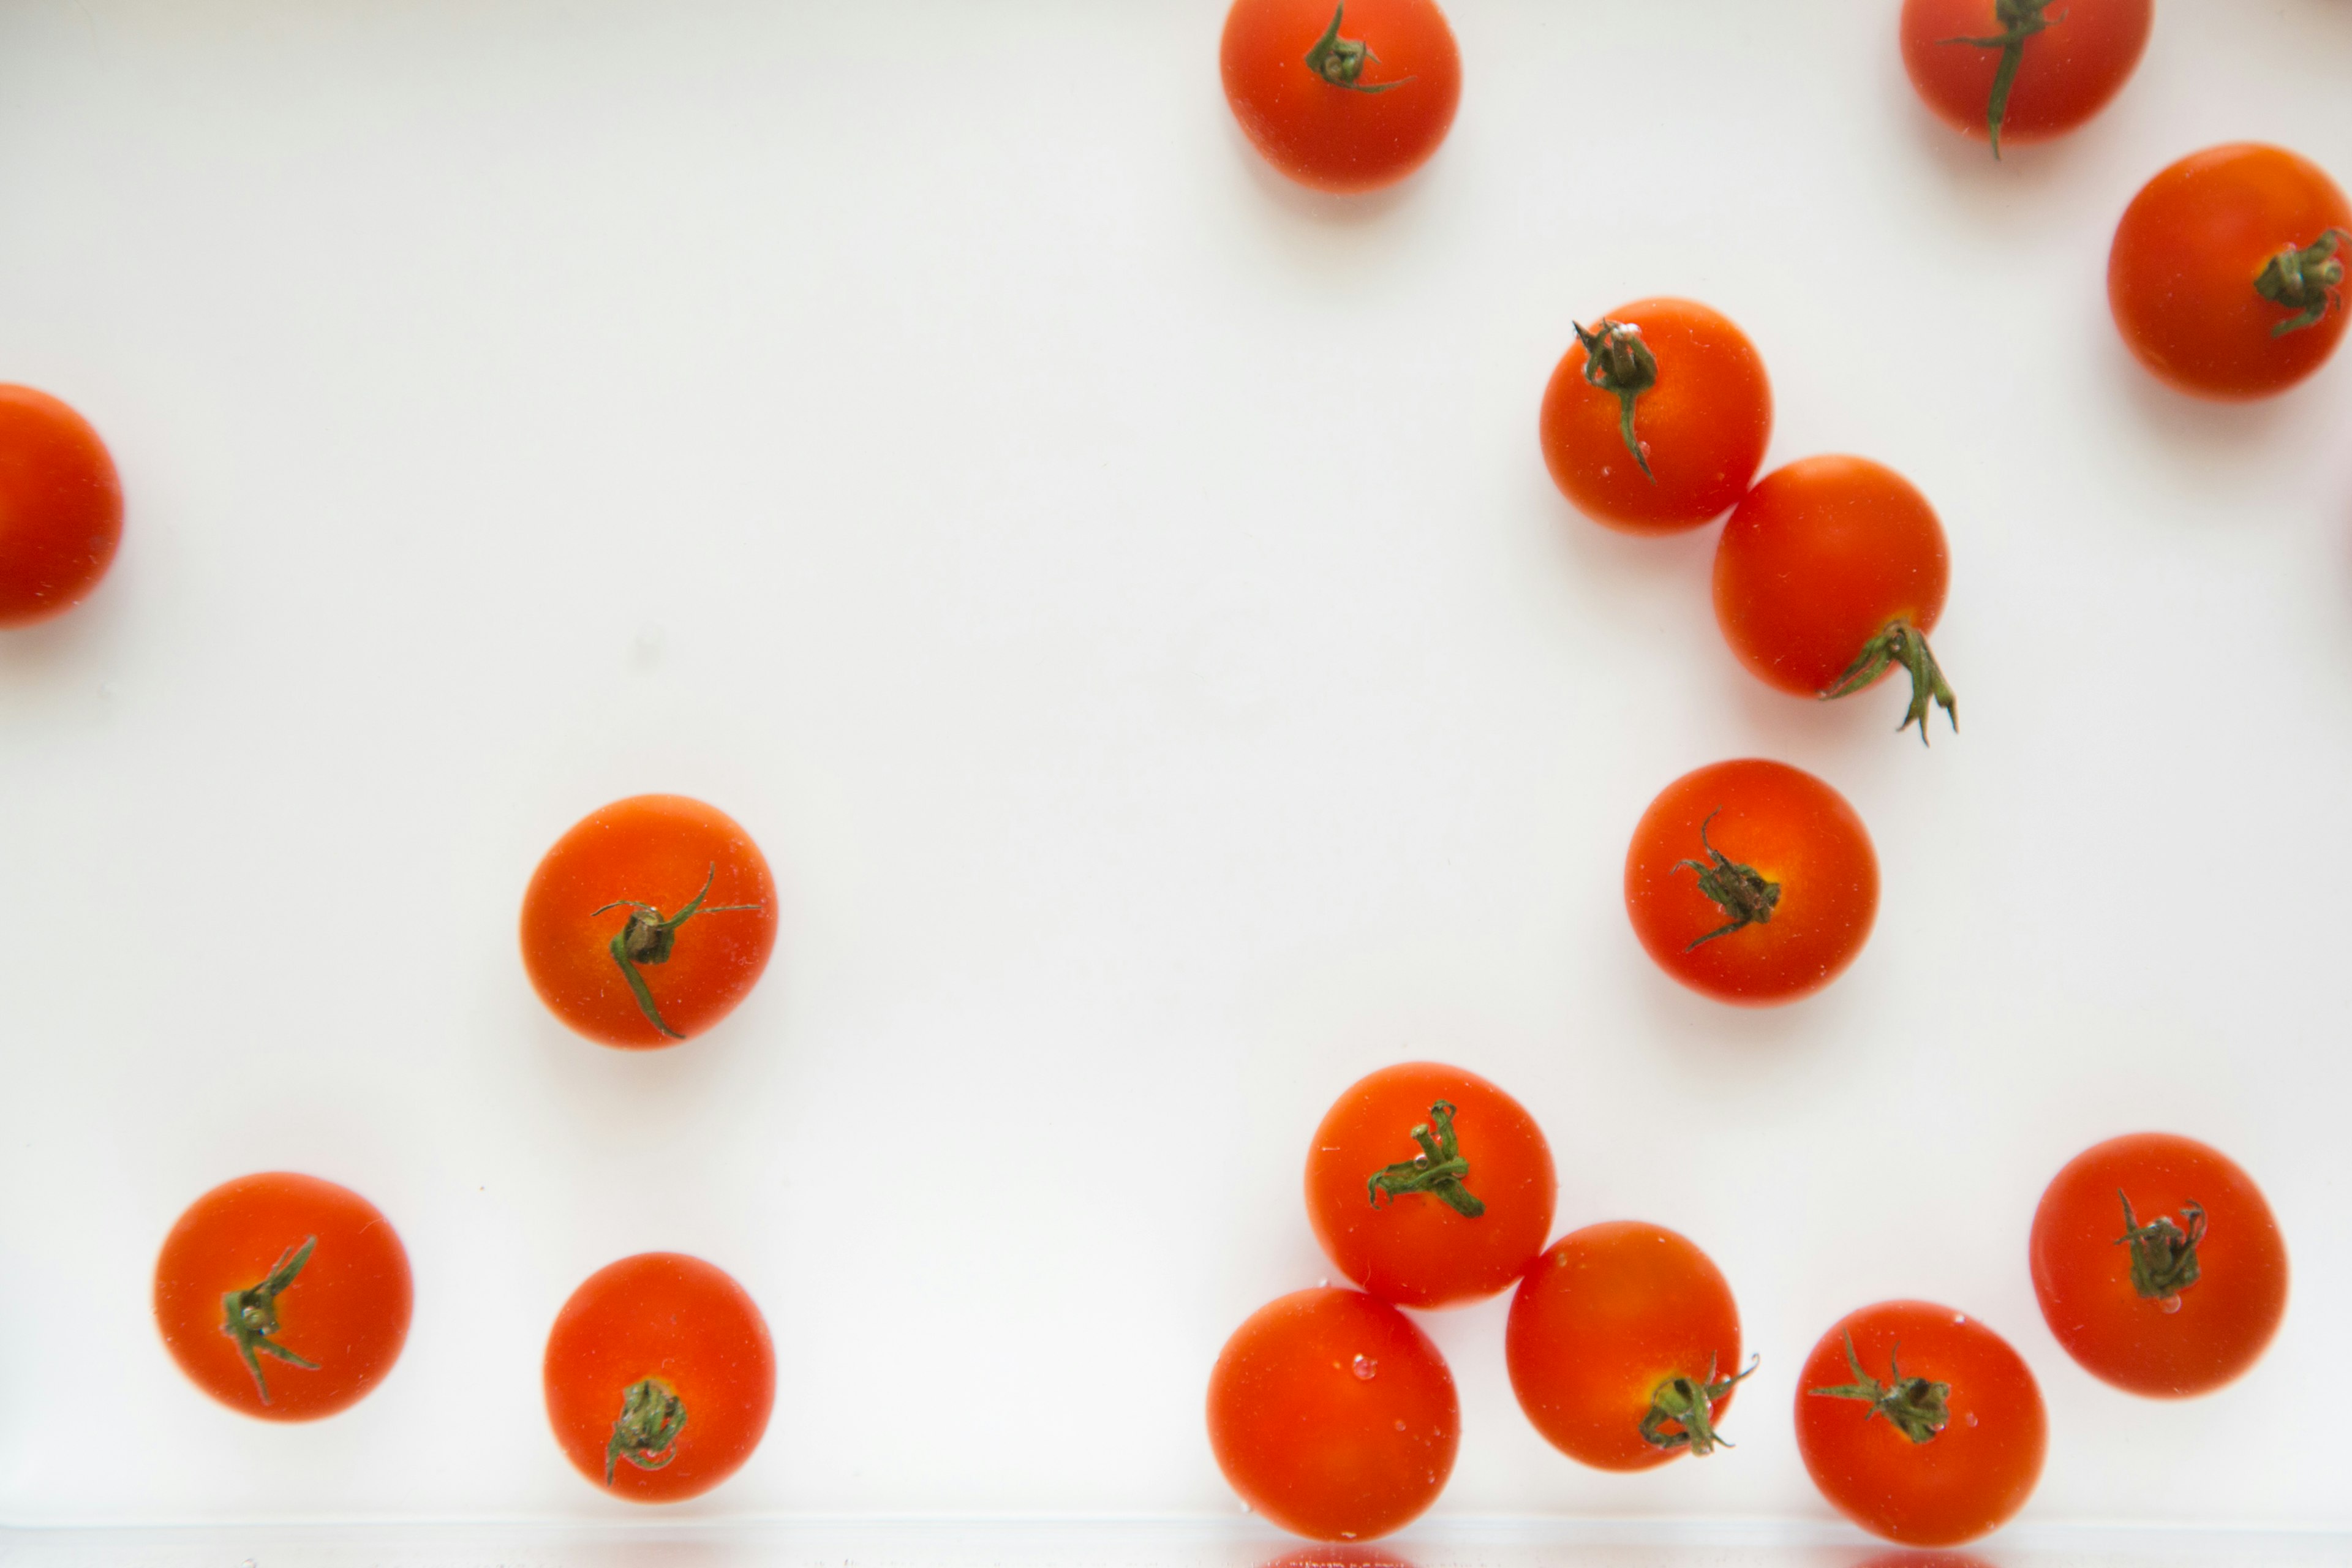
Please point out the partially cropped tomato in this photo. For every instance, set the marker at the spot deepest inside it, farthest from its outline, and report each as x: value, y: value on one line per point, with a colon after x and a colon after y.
x: 659, y: 1377
x: 1429, y: 1186
x: 1624, y: 1346
x: 2022, y: 70
x: 2227, y: 273
x: 1342, y: 95
x: 1752, y: 881
x: 1656, y: 419
x: 1830, y: 574
x: 283, y: 1296
x: 1333, y: 1415
x: 1920, y: 1423
x: 648, y: 921
x: 2158, y: 1264
x: 60, y: 507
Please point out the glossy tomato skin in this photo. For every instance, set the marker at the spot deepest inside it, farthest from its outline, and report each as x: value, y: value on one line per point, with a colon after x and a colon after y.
x: 1969, y: 1478
x: 655, y: 849
x: 1413, y: 1249
x: 2214, y: 1329
x: 1333, y: 1415
x: 2182, y: 272
x: 2066, y: 74
x: 1817, y: 560
x: 1704, y: 425
x: 60, y: 507
x: 1604, y: 1317
x: 347, y: 1310
x: 1792, y: 829
x: 688, y: 1325
x: 1336, y: 138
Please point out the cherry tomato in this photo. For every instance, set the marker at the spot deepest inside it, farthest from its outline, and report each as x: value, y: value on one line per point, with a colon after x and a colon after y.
x: 1752, y: 881
x: 648, y: 921
x: 659, y: 1377
x: 2158, y: 1264
x: 1342, y: 95
x: 1920, y: 1423
x: 1656, y: 419
x: 1429, y: 1186
x: 1624, y: 1346
x: 283, y: 1296
x: 1333, y: 1415
x: 60, y: 507
x: 1830, y: 573
x: 2022, y: 70
x: 2226, y: 277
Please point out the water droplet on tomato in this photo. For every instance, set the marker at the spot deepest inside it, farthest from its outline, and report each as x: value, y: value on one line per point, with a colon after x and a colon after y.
x: 1972, y: 1417
x: 2170, y: 1304
x: 1365, y: 1368
x: 1323, y: 1284
x: 1400, y: 1426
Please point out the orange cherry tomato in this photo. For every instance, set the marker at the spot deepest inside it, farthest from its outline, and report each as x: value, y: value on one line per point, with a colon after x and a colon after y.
x: 1657, y: 417
x: 2227, y: 272
x: 1333, y: 1415
x: 1830, y: 574
x: 1624, y: 1346
x: 2158, y: 1264
x: 1429, y: 1186
x: 60, y: 507
x: 1920, y: 1423
x: 659, y: 1377
x: 283, y: 1296
x: 2022, y: 70
x: 1342, y: 95
x: 1752, y: 881
x: 648, y: 921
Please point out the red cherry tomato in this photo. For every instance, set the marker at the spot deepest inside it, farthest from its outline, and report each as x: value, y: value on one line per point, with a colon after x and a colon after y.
x: 1656, y: 419
x: 2158, y: 1264
x: 2022, y: 70
x: 283, y: 1296
x: 1830, y: 574
x: 1333, y: 1415
x: 60, y: 507
x: 648, y: 921
x: 1342, y: 95
x: 1920, y: 1423
x: 1624, y: 1346
x: 659, y: 1377
x: 1429, y: 1186
x: 2227, y: 272
x: 1752, y: 881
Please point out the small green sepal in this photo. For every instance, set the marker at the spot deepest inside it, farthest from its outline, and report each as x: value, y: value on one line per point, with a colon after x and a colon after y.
x: 652, y: 1417
x: 647, y: 938
x: 1340, y: 61
x: 2307, y: 279
x: 2163, y: 1254
x: 1739, y: 891
x: 2019, y: 20
x: 250, y: 1315
x: 1686, y: 1402
x: 1617, y: 362
x: 1918, y: 1408
x: 1900, y: 642
x: 1438, y: 1170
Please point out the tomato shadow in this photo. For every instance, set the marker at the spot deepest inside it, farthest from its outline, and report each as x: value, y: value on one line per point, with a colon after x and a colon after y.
x: 1337, y: 1555
x: 1907, y: 1557
x: 39, y: 660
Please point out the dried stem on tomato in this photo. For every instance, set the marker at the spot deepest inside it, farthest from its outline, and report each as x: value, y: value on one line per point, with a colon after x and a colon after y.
x: 1740, y: 891
x: 1918, y: 1408
x: 1902, y: 643
x: 250, y: 1315
x: 2307, y: 279
x: 2019, y: 20
x: 1617, y: 362
x: 2163, y: 1254
x: 1685, y: 1402
x: 647, y: 938
x: 1340, y: 61
x: 1438, y: 1170
x: 652, y: 1416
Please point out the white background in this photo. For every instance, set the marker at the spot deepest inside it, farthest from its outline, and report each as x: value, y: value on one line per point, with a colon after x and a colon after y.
x: 1123, y: 596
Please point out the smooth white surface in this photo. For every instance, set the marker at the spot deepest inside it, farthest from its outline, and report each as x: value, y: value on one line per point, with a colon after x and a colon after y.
x: 1122, y: 595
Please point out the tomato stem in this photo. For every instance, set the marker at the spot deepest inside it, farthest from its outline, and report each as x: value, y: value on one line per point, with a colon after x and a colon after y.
x: 1340, y: 61
x: 2307, y: 279
x: 1617, y: 362
x: 1739, y: 891
x: 647, y: 938
x: 1438, y: 1170
x: 1902, y: 643
x: 250, y: 1315
x: 1918, y: 1408
x: 652, y: 1416
x: 1688, y: 1402
x: 2163, y: 1254
x: 2019, y: 20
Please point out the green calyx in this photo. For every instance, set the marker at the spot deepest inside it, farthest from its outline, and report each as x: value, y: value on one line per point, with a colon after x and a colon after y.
x: 1902, y: 643
x: 1918, y: 1408
x: 1340, y: 61
x: 2019, y: 20
x: 250, y: 1315
x: 1739, y: 891
x: 647, y: 938
x: 2163, y: 1254
x: 1684, y: 1402
x: 652, y: 1417
x: 2307, y: 279
x: 1617, y: 362
x: 1438, y: 1170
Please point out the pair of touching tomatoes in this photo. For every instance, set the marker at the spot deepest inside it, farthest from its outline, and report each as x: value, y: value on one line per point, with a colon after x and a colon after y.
x: 1341, y: 95
x: 60, y: 507
x: 2022, y: 70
